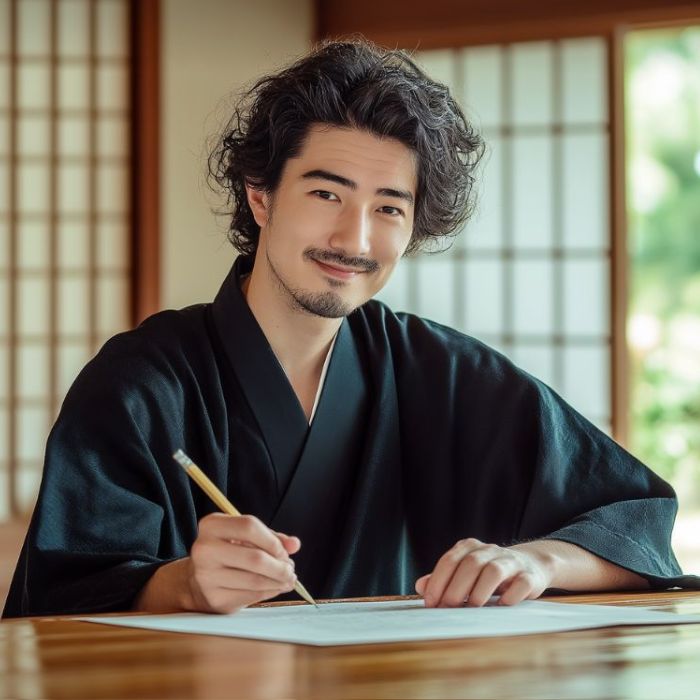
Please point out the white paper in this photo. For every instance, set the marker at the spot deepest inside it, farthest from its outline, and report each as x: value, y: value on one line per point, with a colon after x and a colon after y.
x: 397, y: 621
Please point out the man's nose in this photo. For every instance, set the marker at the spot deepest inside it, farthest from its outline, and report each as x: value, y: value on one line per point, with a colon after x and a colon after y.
x: 352, y: 233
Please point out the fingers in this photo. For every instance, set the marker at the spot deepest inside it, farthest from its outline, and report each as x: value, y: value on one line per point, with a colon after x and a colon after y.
x: 467, y: 555
x: 291, y: 544
x: 472, y: 571
x: 492, y: 575
x: 523, y: 587
x: 243, y: 528
x: 240, y: 557
x: 237, y: 561
x: 421, y: 583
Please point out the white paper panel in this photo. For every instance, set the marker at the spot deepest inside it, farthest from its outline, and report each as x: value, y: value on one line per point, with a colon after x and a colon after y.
x: 4, y: 290
x: 112, y: 39
x: 33, y: 245
x: 73, y: 29
x: 72, y: 357
x: 3, y: 371
x: 33, y: 370
x: 586, y: 297
x: 112, y: 304
x: 394, y: 293
x: 112, y: 87
x: 587, y: 379
x: 4, y: 137
x: 4, y: 83
x: 72, y: 188
x: 484, y: 297
x: 4, y: 489
x: 33, y: 293
x: 4, y: 192
x: 584, y: 80
x: 33, y: 85
x: 532, y: 192
x: 73, y: 245
x: 3, y: 452
x: 33, y: 187
x: 533, y: 295
x: 538, y: 360
x: 73, y: 304
x: 485, y: 230
x: 112, y: 137
x: 29, y: 477
x: 33, y: 27
x: 32, y: 429
x: 531, y: 71
x: 585, y: 191
x: 482, y: 71
x: 4, y: 244
x: 73, y: 136
x: 5, y: 513
x: 112, y: 183
x: 33, y: 136
x: 4, y: 30
x: 436, y: 289
x: 73, y: 86
x: 439, y: 65
x: 113, y: 245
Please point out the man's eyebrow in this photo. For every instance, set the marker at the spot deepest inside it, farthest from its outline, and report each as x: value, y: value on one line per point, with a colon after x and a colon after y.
x: 399, y: 194
x: 332, y: 177
x: 351, y: 184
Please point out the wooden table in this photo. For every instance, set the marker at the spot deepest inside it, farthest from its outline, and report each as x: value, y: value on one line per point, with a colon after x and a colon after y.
x: 61, y: 658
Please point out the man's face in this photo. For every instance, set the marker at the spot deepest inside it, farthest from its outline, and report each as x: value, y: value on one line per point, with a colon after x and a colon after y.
x: 339, y: 221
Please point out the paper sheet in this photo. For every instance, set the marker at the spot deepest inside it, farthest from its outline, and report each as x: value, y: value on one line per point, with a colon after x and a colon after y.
x: 397, y: 621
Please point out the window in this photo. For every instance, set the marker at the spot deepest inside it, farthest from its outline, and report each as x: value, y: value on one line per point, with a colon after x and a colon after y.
x: 530, y: 275
x: 64, y: 213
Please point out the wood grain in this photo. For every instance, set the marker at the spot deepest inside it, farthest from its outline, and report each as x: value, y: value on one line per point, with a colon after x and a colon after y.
x: 62, y: 658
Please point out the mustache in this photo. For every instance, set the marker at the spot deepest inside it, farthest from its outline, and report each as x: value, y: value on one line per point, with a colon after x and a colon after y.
x: 327, y: 256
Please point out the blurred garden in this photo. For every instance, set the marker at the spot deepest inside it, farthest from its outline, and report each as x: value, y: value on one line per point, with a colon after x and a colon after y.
x: 662, y: 71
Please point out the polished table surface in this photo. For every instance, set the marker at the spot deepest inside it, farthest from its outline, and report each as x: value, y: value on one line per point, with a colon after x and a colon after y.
x: 56, y: 657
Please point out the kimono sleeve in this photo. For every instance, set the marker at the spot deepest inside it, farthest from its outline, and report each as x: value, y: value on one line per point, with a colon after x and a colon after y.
x: 588, y: 491
x: 97, y: 534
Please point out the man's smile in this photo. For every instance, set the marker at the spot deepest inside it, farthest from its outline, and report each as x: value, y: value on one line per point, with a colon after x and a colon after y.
x: 338, y: 271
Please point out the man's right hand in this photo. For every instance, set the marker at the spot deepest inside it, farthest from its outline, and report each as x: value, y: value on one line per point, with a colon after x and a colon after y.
x: 234, y: 562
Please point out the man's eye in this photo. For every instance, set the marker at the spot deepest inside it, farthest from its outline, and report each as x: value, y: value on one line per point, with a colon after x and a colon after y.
x: 323, y: 194
x: 392, y: 211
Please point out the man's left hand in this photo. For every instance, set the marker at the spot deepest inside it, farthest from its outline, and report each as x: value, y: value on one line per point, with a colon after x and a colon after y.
x: 473, y: 571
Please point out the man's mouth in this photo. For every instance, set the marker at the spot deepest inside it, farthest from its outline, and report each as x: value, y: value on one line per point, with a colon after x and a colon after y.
x: 338, y: 271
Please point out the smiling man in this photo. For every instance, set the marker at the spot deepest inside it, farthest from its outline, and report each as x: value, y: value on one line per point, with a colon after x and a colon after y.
x: 373, y: 453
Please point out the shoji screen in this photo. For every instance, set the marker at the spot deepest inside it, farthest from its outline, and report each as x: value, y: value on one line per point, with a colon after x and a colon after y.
x: 64, y: 213
x: 530, y: 275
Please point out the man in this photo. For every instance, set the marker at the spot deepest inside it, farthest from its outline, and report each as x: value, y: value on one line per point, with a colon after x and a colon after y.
x: 400, y: 453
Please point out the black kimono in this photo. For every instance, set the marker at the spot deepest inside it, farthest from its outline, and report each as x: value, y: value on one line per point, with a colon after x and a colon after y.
x: 422, y: 436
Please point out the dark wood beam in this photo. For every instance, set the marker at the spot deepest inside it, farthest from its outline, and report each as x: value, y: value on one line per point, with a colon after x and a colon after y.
x: 416, y: 24
x: 145, y: 158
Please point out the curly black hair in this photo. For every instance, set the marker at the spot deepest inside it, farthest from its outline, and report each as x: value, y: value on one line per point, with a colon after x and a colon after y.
x: 360, y: 85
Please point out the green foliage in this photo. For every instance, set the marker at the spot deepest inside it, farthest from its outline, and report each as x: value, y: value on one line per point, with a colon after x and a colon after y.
x: 663, y: 146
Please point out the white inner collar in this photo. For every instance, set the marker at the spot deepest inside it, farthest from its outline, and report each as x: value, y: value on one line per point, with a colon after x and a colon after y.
x: 323, y: 378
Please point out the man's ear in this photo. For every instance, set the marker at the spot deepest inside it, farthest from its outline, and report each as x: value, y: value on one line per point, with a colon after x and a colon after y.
x: 258, y: 201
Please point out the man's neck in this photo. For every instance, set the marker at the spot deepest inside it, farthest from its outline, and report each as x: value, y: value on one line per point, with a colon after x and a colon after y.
x: 299, y: 340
